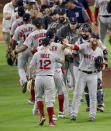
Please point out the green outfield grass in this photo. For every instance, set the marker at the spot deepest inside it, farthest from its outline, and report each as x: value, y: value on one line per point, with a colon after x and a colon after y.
x: 16, y: 114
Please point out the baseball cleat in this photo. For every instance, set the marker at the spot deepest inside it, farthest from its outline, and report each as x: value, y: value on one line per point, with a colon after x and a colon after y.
x: 54, y: 118
x: 87, y: 109
x: 61, y: 115
x: 73, y: 118
x: 24, y: 87
x: 34, y: 111
x: 30, y: 101
x: 91, y: 119
x: 42, y: 120
x: 52, y: 124
x: 100, y: 108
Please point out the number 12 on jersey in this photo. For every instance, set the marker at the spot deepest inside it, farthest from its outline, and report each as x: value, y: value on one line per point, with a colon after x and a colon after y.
x: 44, y: 64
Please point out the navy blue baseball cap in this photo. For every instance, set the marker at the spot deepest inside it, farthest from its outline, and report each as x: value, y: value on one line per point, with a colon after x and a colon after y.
x: 21, y: 10
x: 86, y: 27
x: 54, y: 12
x: 73, y: 20
x: 58, y: 39
x: 37, y: 21
x: 45, y: 41
x: 19, y: 3
x: 43, y: 7
x: 26, y: 17
x: 61, y: 11
x: 50, y: 34
x: 95, y: 35
x: 51, y: 4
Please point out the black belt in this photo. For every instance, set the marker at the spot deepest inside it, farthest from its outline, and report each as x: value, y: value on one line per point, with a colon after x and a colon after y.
x: 88, y: 72
x: 106, y: 16
x: 45, y: 75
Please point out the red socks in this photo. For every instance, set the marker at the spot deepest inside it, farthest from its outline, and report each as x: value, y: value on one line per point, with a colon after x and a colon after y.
x: 32, y: 95
x: 50, y: 111
x: 40, y: 106
x: 61, y: 102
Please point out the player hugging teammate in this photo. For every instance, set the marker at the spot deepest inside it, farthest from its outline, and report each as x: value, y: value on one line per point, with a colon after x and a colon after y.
x: 51, y: 42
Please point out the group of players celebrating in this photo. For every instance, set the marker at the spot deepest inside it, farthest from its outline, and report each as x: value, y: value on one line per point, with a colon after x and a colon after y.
x: 48, y: 39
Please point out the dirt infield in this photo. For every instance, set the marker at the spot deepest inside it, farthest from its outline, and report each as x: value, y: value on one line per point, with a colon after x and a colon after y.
x: 107, y: 78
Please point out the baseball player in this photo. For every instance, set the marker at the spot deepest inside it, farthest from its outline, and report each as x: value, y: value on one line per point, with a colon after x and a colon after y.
x: 54, y: 18
x: 58, y: 77
x: 69, y: 32
x: 104, y: 18
x: 87, y: 75
x: 62, y: 21
x: 85, y: 4
x: 44, y: 63
x: 86, y: 30
x: 44, y: 9
x: 15, y: 16
x: 75, y: 11
x: 35, y: 38
x: 18, y: 22
x: 31, y: 42
x: 85, y: 36
x: 21, y: 33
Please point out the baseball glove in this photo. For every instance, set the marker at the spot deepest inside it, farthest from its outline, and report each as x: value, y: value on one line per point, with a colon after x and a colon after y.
x: 99, y: 63
x: 109, y: 7
x: 30, y: 85
x: 10, y: 59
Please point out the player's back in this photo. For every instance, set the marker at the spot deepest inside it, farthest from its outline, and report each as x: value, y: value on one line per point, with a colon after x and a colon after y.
x: 22, y: 32
x: 16, y: 24
x: 38, y: 36
x: 45, y: 62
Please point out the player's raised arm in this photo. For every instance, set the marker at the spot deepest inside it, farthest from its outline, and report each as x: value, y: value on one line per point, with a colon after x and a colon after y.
x: 67, y: 45
x: 62, y: 54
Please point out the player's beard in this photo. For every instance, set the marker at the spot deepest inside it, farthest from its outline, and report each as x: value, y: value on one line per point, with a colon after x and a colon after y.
x: 62, y: 19
x: 85, y: 37
x: 94, y: 44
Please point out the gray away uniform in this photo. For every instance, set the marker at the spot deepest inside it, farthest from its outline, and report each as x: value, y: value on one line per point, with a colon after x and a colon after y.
x: 87, y: 64
x: 21, y: 33
x: 105, y: 18
x: 44, y: 63
x: 15, y: 24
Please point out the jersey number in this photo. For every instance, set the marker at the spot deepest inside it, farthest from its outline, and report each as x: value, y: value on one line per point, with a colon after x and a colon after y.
x: 40, y: 42
x: 44, y: 64
x: 25, y: 36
